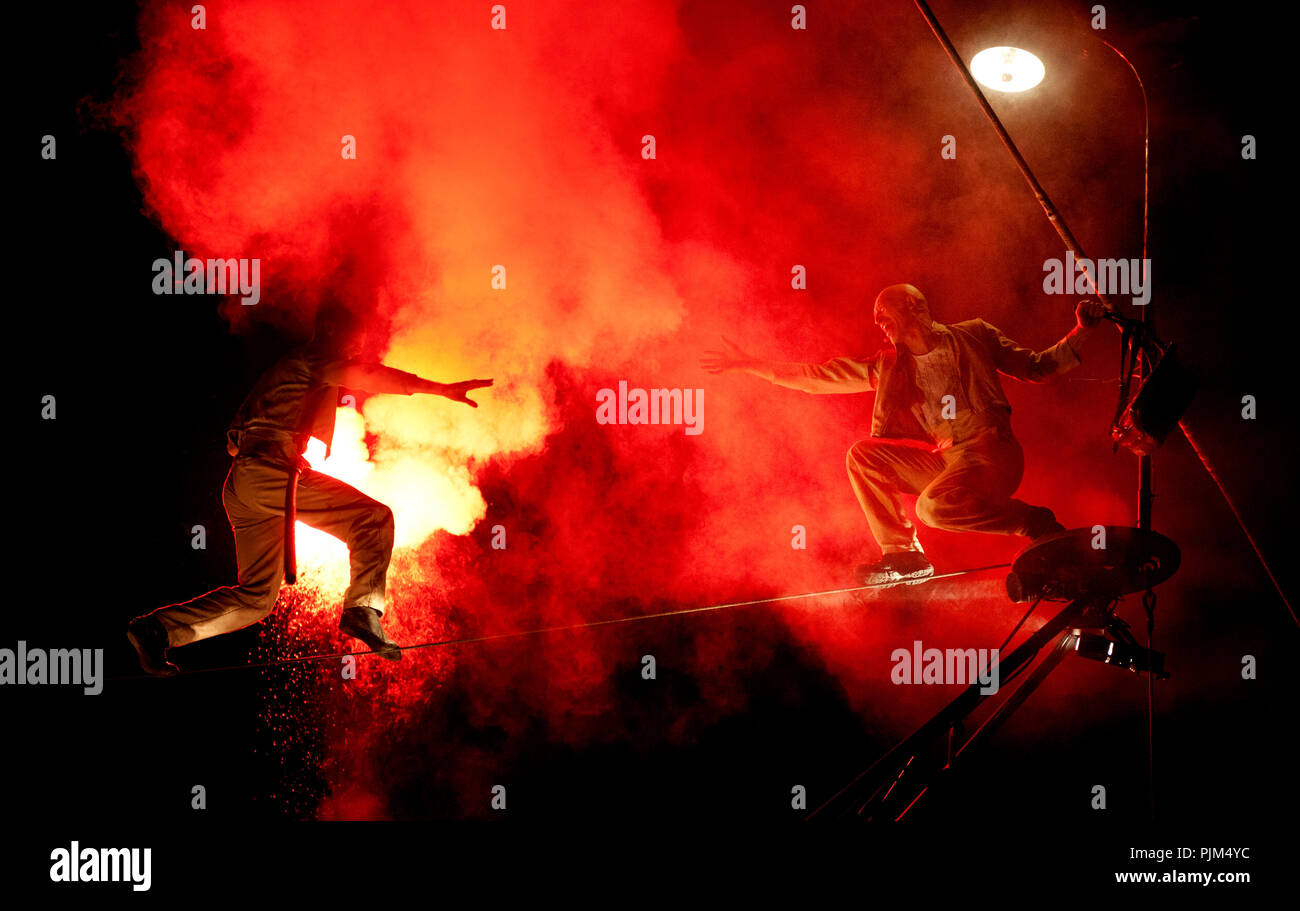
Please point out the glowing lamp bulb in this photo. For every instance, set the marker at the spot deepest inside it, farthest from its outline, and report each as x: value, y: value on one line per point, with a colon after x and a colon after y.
x: 1007, y: 69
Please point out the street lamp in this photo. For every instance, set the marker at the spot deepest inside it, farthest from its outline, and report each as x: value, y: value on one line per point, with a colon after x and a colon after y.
x: 1007, y: 69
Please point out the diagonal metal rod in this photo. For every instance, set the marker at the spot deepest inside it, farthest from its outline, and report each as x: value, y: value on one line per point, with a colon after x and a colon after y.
x: 1060, y: 648
x: 870, y: 779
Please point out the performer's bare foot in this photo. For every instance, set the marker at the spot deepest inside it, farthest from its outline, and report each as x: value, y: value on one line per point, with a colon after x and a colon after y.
x: 906, y: 566
x: 363, y: 623
x: 149, y: 637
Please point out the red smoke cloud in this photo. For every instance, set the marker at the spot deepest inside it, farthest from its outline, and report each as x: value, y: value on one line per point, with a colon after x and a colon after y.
x: 479, y: 147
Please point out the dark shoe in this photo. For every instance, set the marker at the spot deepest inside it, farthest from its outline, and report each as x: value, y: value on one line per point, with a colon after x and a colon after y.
x: 1042, y: 523
x: 149, y: 637
x: 908, y: 566
x: 363, y: 623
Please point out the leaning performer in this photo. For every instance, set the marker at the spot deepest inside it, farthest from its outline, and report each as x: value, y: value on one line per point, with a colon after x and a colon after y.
x: 940, y: 428
x: 293, y: 401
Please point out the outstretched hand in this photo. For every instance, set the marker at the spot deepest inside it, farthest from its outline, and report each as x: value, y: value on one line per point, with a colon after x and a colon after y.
x: 729, y: 359
x: 457, y: 391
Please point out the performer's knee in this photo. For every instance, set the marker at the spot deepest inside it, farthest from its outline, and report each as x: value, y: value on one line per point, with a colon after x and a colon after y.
x: 379, y: 526
x: 934, y: 511
x: 260, y: 596
x: 863, y: 453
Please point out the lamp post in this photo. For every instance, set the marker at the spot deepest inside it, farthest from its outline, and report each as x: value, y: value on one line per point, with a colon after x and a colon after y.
x: 1012, y: 69
x: 1140, y: 366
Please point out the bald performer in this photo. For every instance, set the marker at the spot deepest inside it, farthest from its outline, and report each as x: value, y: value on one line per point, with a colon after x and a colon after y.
x: 940, y: 428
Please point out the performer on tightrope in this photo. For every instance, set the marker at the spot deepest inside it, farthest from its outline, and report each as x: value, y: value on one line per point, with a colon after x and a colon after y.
x: 293, y: 401
x: 940, y: 428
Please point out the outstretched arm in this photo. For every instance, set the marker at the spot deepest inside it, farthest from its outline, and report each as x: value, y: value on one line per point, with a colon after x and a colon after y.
x: 839, y: 375
x: 378, y: 379
x: 457, y: 392
x: 731, y: 359
x: 1040, y: 366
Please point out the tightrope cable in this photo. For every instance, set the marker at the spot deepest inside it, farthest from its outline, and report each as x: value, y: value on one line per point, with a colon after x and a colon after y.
x: 591, y: 624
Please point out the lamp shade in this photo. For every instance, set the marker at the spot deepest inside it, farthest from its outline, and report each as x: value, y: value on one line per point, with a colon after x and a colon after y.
x: 1007, y: 69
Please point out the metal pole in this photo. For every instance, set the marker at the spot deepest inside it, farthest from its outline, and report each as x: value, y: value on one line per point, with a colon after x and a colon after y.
x: 886, y: 767
x: 1145, y: 495
x: 1140, y: 366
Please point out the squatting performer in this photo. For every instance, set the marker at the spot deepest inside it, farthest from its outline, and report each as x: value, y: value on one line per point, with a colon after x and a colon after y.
x: 940, y: 428
x: 295, y: 400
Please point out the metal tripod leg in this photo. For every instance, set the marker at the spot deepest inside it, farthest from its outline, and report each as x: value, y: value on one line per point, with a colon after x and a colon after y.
x: 885, y: 772
x: 1060, y: 648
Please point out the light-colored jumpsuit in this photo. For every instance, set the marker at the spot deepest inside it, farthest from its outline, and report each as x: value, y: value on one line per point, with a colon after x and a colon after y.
x: 295, y: 400
x: 941, y: 430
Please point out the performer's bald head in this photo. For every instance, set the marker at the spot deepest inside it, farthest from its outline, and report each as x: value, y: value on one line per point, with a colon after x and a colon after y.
x: 904, y: 295
x: 900, y: 306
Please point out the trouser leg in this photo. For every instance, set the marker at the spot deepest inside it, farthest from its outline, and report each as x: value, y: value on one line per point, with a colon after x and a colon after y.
x: 973, y: 492
x: 254, y: 499
x: 880, y: 472
x: 258, y: 548
x: 365, y: 525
